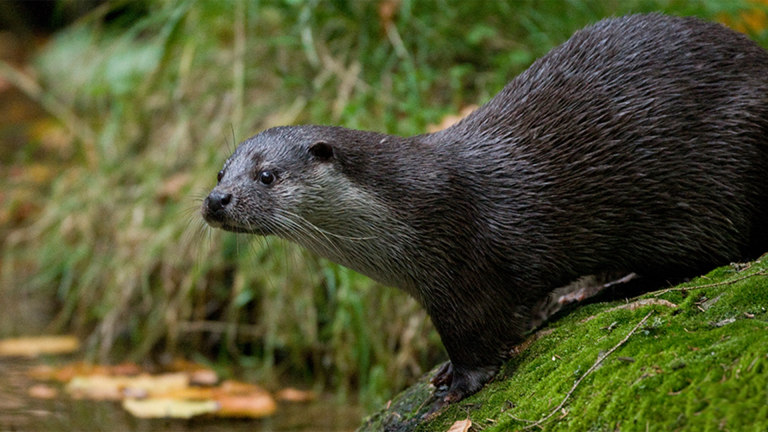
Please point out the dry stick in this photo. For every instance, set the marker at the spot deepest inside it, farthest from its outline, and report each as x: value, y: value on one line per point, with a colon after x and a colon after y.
x: 592, y: 369
x: 519, y: 419
x: 733, y: 281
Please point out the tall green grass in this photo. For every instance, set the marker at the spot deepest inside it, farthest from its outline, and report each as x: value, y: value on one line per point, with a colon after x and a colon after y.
x: 153, y: 97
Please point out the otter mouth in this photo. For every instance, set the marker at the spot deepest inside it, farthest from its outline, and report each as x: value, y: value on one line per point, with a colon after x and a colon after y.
x: 217, y: 217
x: 241, y: 230
x: 237, y: 228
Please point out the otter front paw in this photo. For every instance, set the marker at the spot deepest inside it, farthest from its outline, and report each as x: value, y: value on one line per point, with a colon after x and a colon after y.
x: 461, y: 382
x: 443, y: 376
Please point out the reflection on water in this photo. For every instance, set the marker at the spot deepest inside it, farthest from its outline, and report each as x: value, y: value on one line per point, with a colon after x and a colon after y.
x: 20, y: 412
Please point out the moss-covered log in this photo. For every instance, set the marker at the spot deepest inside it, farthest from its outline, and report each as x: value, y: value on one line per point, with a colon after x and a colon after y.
x: 700, y: 362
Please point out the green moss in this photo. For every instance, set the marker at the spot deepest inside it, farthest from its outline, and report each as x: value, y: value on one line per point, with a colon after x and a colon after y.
x: 702, y: 365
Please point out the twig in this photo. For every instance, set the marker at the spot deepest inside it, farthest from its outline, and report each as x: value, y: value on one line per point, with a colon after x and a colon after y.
x: 599, y: 360
x: 729, y: 282
x: 519, y: 419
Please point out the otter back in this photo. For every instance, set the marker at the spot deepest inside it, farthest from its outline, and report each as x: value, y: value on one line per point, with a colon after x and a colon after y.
x: 639, y: 145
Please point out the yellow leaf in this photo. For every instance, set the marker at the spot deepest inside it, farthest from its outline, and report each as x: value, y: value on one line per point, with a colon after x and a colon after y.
x: 295, y: 395
x: 42, y: 391
x: 252, y: 405
x: 198, y: 374
x: 203, y: 377
x: 102, y: 387
x: 96, y: 387
x: 169, y: 408
x: 235, y: 399
x: 35, y: 346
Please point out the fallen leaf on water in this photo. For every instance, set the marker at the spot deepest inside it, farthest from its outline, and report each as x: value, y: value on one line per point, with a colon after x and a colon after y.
x: 102, y: 387
x: 252, y: 405
x: 95, y: 387
x: 35, y: 346
x: 169, y: 408
x: 295, y: 395
x: 237, y: 387
x: 232, y: 399
x: 237, y: 399
x: 198, y: 374
x: 124, y: 369
x: 165, y: 395
x: 196, y: 392
x: 203, y: 377
x: 461, y: 426
x: 42, y: 391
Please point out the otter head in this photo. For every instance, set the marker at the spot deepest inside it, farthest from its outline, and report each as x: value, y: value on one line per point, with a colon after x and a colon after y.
x: 313, y: 185
x: 269, y: 181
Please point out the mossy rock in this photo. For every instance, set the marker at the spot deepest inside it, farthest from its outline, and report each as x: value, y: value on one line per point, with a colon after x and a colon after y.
x: 699, y: 362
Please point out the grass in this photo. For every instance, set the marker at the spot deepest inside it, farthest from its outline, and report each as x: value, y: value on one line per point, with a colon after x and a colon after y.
x: 148, y: 100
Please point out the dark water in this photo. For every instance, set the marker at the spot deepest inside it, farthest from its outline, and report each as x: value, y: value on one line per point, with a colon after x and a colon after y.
x: 21, y: 412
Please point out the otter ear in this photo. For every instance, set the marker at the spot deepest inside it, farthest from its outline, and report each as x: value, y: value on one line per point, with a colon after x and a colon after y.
x: 321, y: 150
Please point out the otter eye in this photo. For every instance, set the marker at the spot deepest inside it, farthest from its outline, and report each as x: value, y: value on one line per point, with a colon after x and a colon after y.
x: 266, y: 177
x: 220, y: 175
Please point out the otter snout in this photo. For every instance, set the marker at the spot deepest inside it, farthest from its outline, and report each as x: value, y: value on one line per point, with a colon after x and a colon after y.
x: 215, y: 208
x: 217, y: 201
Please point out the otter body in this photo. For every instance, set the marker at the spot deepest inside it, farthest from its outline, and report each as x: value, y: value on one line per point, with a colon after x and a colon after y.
x: 639, y: 145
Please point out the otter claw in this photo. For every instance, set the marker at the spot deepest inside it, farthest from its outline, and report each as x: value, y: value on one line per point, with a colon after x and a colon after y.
x: 443, y: 376
x: 461, y: 383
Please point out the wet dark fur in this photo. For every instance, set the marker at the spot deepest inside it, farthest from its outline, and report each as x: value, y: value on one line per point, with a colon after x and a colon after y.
x: 639, y: 145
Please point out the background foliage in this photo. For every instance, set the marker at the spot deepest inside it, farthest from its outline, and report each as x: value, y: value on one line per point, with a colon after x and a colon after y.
x: 99, y: 210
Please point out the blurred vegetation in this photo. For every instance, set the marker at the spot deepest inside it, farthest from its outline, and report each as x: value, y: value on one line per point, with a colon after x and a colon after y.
x: 99, y: 209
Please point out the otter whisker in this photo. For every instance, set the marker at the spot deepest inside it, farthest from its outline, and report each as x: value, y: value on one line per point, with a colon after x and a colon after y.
x: 305, y: 232
x: 326, y: 232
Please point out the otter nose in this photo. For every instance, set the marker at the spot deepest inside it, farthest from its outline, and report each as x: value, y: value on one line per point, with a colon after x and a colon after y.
x: 218, y: 200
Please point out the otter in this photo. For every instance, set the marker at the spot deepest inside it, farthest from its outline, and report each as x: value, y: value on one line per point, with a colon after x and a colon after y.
x: 640, y: 145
